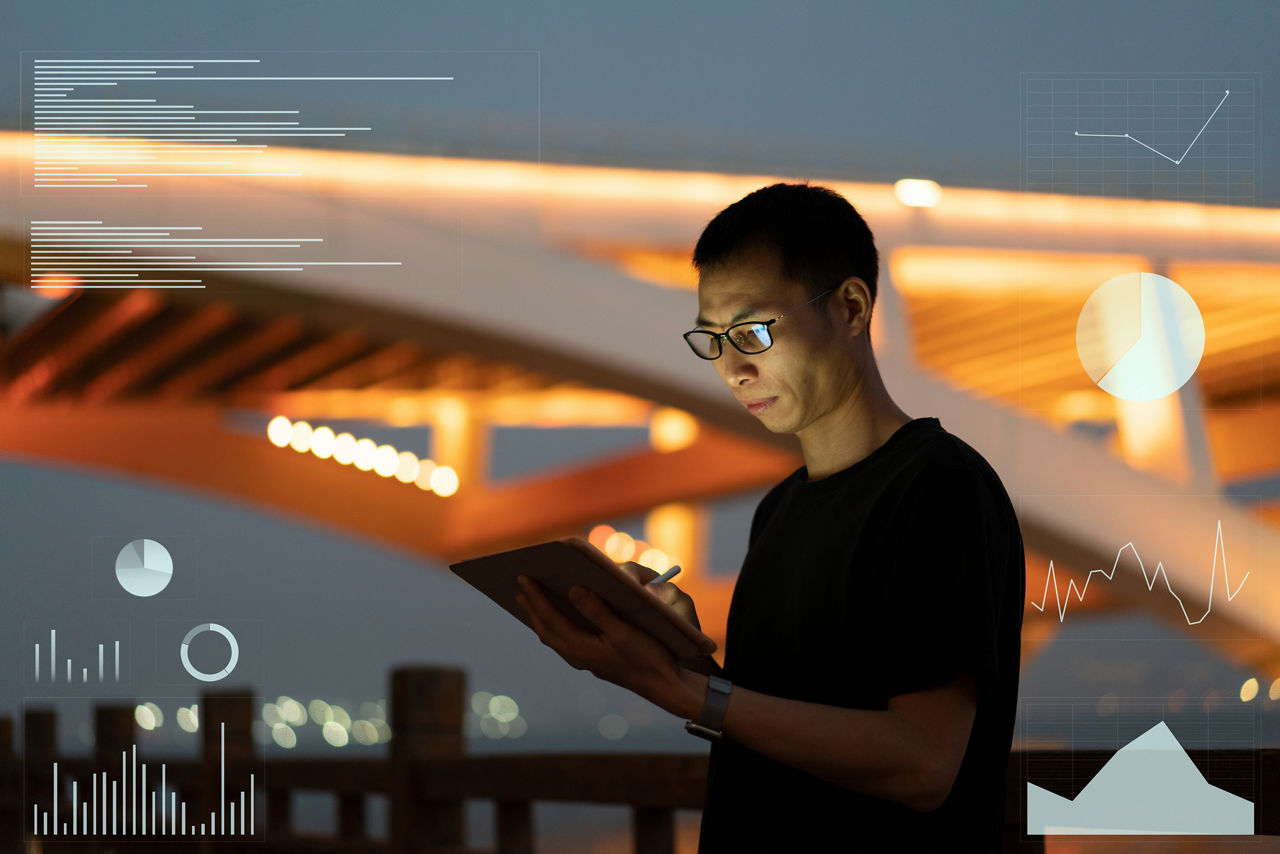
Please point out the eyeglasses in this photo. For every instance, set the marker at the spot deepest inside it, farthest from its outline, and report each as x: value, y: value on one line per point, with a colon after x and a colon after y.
x: 748, y: 338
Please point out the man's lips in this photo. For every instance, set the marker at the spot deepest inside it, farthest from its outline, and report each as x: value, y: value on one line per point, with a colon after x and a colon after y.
x: 755, y: 407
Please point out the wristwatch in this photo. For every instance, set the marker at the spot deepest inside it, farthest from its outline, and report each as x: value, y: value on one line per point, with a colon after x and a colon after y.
x: 710, y: 723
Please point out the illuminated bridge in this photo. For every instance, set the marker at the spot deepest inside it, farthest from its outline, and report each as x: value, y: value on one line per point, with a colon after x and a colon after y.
x: 540, y: 295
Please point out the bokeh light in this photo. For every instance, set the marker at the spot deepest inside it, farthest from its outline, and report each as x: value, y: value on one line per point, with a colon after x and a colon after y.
x: 425, y: 469
x: 322, y: 442
x: 655, y: 559
x: 386, y: 460
x: 301, y: 439
x: 613, y: 727
x: 407, y: 467
x: 320, y: 712
x: 364, y: 732
x: 283, y: 735
x: 480, y: 702
x: 444, y: 481
x: 279, y: 431
x: 366, y: 454
x: 493, y: 728
x: 291, y: 711
x: 144, y: 718
x: 335, y: 734
x: 620, y: 546
x: 1248, y: 690
x: 344, y: 448
x: 599, y: 536
x: 503, y: 708
x: 672, y: 429
x: 188, y: 718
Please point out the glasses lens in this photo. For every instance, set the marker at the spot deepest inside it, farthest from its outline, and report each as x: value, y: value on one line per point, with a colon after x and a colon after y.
x: 751, y: 337
x: 705, y: 344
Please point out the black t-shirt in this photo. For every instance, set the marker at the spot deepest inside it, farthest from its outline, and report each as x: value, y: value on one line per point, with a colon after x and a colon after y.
x: 896, y: 574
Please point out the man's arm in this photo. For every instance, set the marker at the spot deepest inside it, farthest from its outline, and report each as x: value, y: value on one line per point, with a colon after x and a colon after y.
x: 909, y: 753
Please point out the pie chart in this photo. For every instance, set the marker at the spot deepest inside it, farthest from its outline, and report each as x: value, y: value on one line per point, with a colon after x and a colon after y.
x: 1140, y: 336
x: 144, y: 567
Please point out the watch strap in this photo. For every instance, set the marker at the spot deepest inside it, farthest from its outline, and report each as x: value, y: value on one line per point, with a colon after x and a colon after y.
x: 710, y: 724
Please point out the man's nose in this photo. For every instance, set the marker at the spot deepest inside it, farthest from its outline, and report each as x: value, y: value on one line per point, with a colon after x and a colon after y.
x: 735, y: 367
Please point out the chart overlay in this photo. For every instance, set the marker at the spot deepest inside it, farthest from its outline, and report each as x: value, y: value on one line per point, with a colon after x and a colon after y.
x: 105, y: 664
x: 127, y: 805
x: 98, y: 254
x: 1128, y: 768
x: 1190, y: 137
x: 1078, y: 593
x: 1140, y: 336
x: 88, y: 136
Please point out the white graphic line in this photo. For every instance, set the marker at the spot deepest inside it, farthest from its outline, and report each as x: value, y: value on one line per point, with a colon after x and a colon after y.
x: 1151, y: 580
x: 1161, y: 153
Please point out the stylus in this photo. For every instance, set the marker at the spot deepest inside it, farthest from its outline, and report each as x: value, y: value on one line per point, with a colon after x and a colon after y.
x: 666, y: 576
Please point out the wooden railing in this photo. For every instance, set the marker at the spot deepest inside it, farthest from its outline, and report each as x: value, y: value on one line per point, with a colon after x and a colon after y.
x: 428, y: 778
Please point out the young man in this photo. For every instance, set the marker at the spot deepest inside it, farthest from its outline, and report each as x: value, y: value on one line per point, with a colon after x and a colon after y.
x: 871, y: 664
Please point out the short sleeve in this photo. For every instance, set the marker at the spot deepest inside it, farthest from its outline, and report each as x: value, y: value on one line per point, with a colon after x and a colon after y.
x: 947, y: 552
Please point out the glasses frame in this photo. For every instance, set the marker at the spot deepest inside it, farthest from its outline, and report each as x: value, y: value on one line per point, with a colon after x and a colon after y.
x: 721, y: 337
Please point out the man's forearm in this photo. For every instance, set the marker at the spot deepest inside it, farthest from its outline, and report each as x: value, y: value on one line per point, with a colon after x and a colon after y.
x: 879, y: 753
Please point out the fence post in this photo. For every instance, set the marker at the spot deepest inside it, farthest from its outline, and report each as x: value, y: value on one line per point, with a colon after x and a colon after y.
x: 39, y: 750
x: 426, y: 723
x: 653, y: 829
x: 11, y: 817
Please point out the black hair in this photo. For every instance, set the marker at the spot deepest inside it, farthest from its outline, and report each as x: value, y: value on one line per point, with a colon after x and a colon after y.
x: 821, y: 238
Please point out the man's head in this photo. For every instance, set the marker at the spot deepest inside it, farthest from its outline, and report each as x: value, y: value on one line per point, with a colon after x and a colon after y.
x: 820, y: 238
x: 767, y: 257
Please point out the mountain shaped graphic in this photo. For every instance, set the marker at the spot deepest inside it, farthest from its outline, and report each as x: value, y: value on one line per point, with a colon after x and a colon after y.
x: 1150, y: 786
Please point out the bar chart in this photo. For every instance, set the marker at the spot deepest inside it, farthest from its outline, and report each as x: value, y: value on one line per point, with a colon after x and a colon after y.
x: 128, y: 804
x: 50, y: 665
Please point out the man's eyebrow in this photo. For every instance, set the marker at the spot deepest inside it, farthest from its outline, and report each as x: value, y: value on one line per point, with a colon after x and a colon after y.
x: 741, y: 315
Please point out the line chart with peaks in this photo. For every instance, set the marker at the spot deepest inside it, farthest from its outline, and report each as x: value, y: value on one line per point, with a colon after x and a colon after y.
x: 1077, y: 593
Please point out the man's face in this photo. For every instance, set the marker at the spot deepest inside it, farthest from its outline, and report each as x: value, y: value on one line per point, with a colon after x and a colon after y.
x: 807, y: 373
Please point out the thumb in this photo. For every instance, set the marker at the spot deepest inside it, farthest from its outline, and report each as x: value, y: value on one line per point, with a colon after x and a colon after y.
x: 638, y: 571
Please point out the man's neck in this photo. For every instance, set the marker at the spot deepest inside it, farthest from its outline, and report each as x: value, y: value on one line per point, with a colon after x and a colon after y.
x: 851, y: 432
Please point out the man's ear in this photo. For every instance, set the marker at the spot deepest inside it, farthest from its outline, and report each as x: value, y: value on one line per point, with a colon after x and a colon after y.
x: 854, y: 299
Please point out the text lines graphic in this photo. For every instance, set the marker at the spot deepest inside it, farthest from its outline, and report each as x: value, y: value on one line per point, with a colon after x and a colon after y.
x: 83, y: 143
x: 1178, y: 160
x: 1219, y: 552
x: 93, y: 254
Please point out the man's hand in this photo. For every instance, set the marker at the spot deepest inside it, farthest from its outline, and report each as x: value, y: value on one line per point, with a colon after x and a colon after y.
x: 666, y: 591
x: 621, y: 653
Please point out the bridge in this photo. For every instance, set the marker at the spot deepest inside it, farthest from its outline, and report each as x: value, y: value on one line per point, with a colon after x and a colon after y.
x: 552, y: 295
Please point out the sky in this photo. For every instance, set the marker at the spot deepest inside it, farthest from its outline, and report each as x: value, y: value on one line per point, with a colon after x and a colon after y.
x: 818, y: 89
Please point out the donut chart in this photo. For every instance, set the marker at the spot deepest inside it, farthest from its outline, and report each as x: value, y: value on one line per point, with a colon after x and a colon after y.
x: 231, y: 662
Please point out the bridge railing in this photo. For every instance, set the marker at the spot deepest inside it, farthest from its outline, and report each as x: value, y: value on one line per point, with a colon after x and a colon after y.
x: 428, y: 778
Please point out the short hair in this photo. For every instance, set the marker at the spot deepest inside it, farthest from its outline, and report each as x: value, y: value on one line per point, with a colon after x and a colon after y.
x: 821, y: 238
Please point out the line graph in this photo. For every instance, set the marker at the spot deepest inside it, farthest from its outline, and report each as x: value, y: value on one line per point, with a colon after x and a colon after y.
x: 1219, y: 551
x: 1179, y: 160
x: 1142, y: 135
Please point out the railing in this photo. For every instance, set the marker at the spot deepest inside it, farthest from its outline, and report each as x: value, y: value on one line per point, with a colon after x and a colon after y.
x: 428, y: 778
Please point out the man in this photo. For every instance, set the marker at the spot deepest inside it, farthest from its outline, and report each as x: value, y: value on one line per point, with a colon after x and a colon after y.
x: 872, y: 648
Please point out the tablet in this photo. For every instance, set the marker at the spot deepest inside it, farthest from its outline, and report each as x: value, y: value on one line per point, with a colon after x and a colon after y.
x: 562, y: 564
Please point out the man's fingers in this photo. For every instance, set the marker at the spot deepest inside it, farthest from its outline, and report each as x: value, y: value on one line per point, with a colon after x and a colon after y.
x: 597, y: 611
x: 548, y: 622
x: 638, y: 571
